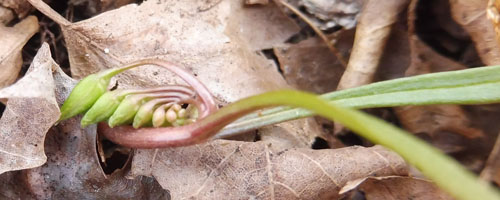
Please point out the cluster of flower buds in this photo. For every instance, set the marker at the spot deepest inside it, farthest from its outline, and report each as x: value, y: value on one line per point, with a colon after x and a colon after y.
x: 172, y: 105
x: 137, y: 107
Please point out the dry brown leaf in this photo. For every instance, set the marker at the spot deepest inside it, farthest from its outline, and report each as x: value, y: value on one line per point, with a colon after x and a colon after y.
x: 31, y: 110
x: 245, y: 170
x: 304, y: 135
x: 13, y: 40
x: 372, y: 33
x: 397, y: 187
x: 20, y: 7
x: 72, y: 170
x: 471, y: 14
x: 11, y: 187
x: 433, y: 119
x: 273, y: 26
x: 491, y: 171
x: 309, y: 65
x: 256, y: 2
x: 6, y: 15
x: 206, y: 38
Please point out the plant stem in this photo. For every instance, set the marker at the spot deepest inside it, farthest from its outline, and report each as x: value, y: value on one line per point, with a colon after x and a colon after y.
x: 446, y: 172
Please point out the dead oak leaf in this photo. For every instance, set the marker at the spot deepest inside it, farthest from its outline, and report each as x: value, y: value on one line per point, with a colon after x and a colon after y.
x: 13, y: 39
x: 215, y: 41
x: 72, y: 170
x: 396, y: 187
x: 245, y: 170
x: 31, y: 109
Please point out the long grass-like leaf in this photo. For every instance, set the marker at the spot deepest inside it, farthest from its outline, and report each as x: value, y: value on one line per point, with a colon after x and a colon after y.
x: 471, y: 86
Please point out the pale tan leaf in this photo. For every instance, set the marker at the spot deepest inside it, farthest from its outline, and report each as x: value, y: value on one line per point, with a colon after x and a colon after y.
x: 6, y: 15
x: 13, y: 39
x: 471, y: 14
x: 398, y: 187
x: 20, y: 7
x: 30, y: 111
x: 214, y: 40
x: 491, y: 171
x: 435, y: 118
x: 243, y: 170
x: 309, y: 65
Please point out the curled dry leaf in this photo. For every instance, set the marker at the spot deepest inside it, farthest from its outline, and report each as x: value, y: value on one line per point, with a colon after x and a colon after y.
x: 20, y: 7
x: 396, y: 187
x: 472, y: 16
x: 31, y: 109
x: 242, y: 170
x: 372, y: 33
x: 6, y: 15
x: 491, y: 171
x: 13, y: 40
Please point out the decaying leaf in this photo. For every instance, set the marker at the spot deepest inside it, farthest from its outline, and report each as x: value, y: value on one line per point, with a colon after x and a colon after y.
x: 242, y: 170
x: 6, y: 15
x: 396, y: 187
x: 206, y: 38
x: 31, y: 109
x: 491, y: 171
x: 309, y: 65
x: 274, y: 27
x: 72, y: 170
x: 13, y: 40
x: 11, y: 187
x: 472, y: 16
x: 94, y: 7
x: 437, y: 118
x: 20, y: 7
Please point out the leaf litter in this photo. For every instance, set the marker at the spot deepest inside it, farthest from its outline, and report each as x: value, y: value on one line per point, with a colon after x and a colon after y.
x: 217, y: 41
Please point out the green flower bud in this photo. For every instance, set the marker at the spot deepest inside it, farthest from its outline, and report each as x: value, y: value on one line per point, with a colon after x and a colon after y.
x: 182, y: 113
x: 179, y: 122
x: 145, y: 113
x: 86, y: 93
x: 176, y: 107
x: 192, y: 112
x: 159, y: 116
x: 104, y: 107
x: 127, y: 109
x: 171, y: 115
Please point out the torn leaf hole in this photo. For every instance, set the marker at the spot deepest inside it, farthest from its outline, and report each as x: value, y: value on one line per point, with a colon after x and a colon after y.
x: 2, y: 108
x: 111, y: 156
x: 320, y: 143
x: 257, y: 136
x: 269, y: 53
x: 350, y: 139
